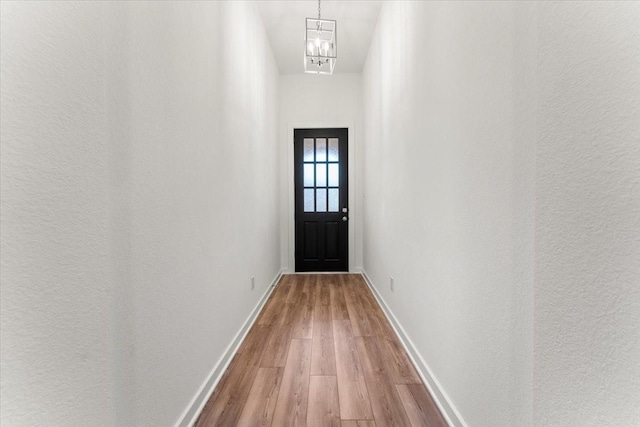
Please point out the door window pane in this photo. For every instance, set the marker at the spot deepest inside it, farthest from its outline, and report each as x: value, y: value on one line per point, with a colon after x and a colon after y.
x: 321, y: 150
x: 308, y: 200
x: 308, y: 175
x: 321, y: 200
x: 308, y: 149
x: 334, y: 175
x: 333, y: 150
x: 321, y: 174
x: 334, y: 199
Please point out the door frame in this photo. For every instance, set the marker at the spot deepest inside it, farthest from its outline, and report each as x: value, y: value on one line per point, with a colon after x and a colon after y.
x: 291, y: 208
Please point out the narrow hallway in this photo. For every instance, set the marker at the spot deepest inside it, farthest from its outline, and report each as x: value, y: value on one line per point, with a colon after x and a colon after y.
x: 321, y: 353
x: 152, y: 196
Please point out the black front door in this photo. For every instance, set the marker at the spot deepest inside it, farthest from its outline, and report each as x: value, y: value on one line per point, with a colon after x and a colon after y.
x: 321, y: 199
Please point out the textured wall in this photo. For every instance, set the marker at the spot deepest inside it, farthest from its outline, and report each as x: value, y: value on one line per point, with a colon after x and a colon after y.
x: 139, y: 195
x: 56, y: 289
x: 502, y: 191
x: 202, y: 159
x: 587, y: 292
x: 448, y: 195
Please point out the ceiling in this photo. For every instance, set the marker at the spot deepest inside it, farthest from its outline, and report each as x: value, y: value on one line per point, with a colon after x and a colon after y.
x: 284, y: 23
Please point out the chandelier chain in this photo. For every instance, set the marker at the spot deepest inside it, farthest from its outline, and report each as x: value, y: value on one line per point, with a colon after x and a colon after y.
x: 318, y: 9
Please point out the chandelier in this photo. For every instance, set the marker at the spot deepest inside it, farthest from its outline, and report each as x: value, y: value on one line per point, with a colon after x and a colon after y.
x: 320, y: 45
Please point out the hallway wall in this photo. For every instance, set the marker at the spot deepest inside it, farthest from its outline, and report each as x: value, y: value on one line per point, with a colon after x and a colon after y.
x: 310, y: 100
x: 139, y: 195
x: 587, y: 265
x: 56, y: 277
x: 501, y: 172
x: 448, y: 159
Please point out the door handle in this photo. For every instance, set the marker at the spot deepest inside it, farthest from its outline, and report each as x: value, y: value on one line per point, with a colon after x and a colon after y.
x: 344, y: 218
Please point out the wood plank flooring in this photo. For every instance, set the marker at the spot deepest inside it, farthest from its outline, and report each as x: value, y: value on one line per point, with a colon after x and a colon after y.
x: 321, y: 353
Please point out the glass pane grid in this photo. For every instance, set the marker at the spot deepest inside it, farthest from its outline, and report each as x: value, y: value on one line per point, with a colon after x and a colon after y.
x: 321, y: 174
x: 321, y: 150
x: 309, y: 200
x: 308, y: 175
x: 334, y: 199
x: 308, y: 150
x: 321, y: 178
x: 321, y: 200
x: 334, y: 175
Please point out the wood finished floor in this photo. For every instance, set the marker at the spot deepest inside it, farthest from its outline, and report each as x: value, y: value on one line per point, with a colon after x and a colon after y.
x: 321, y: 353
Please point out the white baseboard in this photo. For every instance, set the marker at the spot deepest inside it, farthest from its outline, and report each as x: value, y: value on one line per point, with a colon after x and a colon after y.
x: 190, y: 415
x: 449, y: 411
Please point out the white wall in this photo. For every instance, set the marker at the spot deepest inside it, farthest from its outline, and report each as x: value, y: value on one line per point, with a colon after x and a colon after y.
x: 139, y: 195
x: 501, y: 161
x: 447, y: 195
x: 308, y: 101
x: 55, y: 271
x: 587, y: 289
